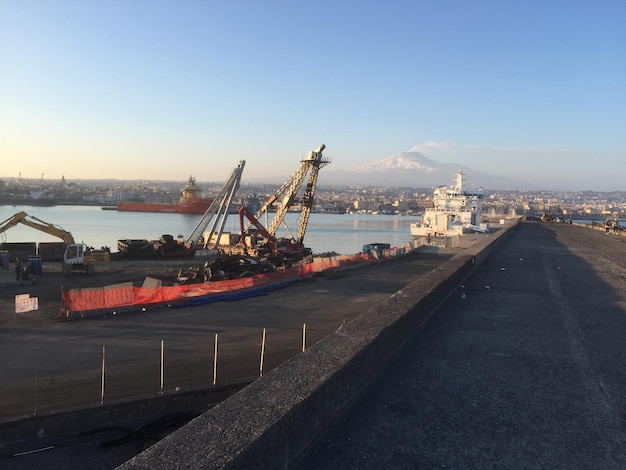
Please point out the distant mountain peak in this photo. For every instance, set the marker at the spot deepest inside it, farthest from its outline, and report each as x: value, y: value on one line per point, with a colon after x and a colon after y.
x: 411, y: 169
x: 402, y: 161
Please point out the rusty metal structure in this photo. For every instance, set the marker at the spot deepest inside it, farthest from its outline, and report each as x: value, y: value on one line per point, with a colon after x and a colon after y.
x: 290, y: 195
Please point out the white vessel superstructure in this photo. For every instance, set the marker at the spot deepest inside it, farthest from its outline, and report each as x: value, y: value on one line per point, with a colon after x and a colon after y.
x: 456, y: 211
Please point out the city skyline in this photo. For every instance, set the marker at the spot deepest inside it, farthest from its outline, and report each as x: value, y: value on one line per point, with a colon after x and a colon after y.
x: 148, y: 90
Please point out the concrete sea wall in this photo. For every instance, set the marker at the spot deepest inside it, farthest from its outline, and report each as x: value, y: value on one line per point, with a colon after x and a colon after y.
x: 129, y: 414
x: 273, y: 420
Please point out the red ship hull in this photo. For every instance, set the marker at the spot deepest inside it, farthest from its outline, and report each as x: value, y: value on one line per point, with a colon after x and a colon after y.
x: 198, y: 206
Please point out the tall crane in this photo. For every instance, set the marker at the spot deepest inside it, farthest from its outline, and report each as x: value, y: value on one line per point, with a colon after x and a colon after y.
x: 216, y: 214
x: 287, y: 195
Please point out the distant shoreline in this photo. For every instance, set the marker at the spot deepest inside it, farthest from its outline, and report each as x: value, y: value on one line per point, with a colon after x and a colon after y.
x: 49, y: 203
x: 598, y: 218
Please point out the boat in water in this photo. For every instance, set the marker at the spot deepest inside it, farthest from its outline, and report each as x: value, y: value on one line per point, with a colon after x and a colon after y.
x: 191, y: 202
x: 456, y: 211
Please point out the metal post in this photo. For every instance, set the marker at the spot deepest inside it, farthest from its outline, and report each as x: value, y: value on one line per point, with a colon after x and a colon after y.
x: 262, y: 354
x: 162, y: 353
x: 36, y: 381
x: 102, y: 376
x: 303, y: 337
x: 215, y: 361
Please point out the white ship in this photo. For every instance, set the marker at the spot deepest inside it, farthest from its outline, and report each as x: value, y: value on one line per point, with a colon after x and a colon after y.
x: 456, y: 211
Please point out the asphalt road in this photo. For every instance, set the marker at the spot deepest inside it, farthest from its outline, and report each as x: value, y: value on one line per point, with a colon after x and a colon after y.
x: 522, y: 367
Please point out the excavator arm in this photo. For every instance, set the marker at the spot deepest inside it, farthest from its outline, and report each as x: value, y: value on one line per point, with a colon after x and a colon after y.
x: 76, y: 256
x: 12, y: 221
x: 38, y: 224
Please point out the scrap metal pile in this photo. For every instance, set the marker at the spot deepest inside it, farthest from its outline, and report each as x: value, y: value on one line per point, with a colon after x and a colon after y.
x: 226, y: 267
x: 166, y: 246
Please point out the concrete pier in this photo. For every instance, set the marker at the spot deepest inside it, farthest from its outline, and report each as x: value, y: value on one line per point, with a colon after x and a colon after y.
x: 522, y: 367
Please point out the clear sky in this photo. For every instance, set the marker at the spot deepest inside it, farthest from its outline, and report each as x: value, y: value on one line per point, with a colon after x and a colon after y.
x: 139, y: 89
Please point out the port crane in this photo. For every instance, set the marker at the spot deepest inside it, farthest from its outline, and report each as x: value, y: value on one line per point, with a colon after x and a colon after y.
x: 215, y: 216
x: 76, y: 256
x: 290, y: 195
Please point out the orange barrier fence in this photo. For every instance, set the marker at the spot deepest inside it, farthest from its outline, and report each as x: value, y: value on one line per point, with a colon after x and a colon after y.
x: 127, y: 295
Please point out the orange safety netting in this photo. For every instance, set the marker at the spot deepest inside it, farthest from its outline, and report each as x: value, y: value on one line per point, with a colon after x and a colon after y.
x: 127, y: 295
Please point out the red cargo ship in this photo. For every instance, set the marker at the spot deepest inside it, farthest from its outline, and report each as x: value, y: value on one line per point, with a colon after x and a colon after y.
x: 192, y: 202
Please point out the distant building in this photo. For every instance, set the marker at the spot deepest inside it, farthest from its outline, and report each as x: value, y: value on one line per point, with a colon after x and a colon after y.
x: 401, y: 205
x: 366, y: 206
x: 116, y: 195
x: 591, y: 210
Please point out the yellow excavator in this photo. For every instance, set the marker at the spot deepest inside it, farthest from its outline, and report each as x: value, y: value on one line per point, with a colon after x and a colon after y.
x: 76, y: 256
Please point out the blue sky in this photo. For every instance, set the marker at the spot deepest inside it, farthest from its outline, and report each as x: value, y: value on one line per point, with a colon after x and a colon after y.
x: 534, y: 90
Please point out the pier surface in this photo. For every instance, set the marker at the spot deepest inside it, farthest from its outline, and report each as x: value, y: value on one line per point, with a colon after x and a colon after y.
x: 522, y: 367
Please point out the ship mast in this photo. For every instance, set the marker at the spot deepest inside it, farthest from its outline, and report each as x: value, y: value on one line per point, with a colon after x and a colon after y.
x: 458, y: 177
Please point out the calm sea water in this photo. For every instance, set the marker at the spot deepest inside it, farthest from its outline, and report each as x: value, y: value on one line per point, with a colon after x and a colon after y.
x: 341, y: 233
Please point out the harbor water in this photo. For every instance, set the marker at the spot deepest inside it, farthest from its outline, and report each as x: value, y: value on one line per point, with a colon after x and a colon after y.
x: 339, y: 233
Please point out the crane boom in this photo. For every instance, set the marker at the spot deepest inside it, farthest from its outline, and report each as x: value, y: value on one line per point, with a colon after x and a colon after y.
x: 217, y: 212
x: 287, y: 195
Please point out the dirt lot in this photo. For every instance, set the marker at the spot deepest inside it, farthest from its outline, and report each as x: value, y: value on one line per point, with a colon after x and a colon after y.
x: 47, y: 287
x: 51, y: 365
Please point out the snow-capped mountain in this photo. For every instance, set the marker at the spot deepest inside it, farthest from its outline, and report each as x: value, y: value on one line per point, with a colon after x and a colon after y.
x: 412, y: 169
x: 407, y: 169
x: 403, y: 161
